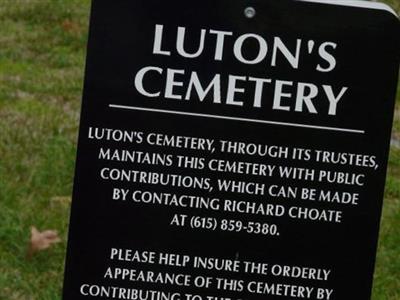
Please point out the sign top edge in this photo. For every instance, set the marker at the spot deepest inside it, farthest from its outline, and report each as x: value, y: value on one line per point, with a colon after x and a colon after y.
x: 357, y: 3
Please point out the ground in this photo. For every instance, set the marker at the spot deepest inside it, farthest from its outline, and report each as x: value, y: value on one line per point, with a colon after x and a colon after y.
x: 42, y: 56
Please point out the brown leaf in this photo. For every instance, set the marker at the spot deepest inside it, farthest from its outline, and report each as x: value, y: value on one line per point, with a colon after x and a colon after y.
x: 41, y: 240
x: 70, y: 26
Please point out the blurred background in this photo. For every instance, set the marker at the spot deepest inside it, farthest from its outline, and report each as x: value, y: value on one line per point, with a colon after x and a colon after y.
x: 42, y: 57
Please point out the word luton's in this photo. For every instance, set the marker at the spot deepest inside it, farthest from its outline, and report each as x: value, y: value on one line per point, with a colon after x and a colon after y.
x: 239, y: 90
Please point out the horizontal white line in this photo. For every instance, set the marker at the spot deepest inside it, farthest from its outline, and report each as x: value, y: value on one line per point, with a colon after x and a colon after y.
x: 174, y: 112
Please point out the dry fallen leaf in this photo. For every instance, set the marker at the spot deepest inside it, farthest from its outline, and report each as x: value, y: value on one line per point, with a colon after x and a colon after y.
x: 41, y: 240
x: 70, y: 26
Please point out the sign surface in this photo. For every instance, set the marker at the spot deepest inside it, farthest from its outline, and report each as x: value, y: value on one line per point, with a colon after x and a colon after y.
x: 232, y: 150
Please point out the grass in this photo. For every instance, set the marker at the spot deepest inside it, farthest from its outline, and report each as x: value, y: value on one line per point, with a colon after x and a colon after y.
x: 42, y: 57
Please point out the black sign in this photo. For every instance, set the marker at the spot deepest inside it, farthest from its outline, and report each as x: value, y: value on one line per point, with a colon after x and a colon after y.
x: 232, y: 150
